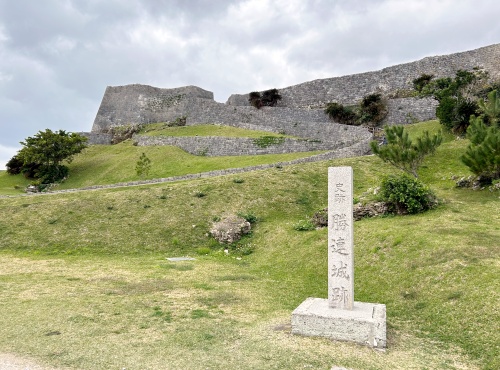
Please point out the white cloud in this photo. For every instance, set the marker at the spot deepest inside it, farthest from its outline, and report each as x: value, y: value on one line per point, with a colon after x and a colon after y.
x: 54, y: 69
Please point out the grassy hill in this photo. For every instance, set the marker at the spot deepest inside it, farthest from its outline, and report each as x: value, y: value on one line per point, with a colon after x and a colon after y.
x: 111, y: 164
x: 84, y: 280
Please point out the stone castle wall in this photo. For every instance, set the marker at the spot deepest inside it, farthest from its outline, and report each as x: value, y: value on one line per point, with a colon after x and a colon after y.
x: 324, y: 137
x: 133, y: 104
x: 97, y: 138
x: 225, y: 146
x: 391, y: 80
x: 300, y: 112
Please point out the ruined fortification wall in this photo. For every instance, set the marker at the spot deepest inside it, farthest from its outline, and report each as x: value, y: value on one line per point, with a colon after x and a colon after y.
x: 300, y: 112
x: 225, y: 146
x: 351, y: 89
x: 410, y: 110
x: 133, y: 104
x: 329, y: 136
x: 96, y: 138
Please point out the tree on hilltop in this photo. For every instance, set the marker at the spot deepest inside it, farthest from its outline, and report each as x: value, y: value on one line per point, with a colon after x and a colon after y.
x: 45, y: 151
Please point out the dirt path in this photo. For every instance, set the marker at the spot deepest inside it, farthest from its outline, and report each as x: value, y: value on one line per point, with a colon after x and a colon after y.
x: 13, y: 362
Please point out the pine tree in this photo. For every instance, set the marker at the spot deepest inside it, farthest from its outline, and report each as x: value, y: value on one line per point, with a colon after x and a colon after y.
x: 401, y: 152
x: 143, y: 166
x: 483, y: 154
x: 491, y: 107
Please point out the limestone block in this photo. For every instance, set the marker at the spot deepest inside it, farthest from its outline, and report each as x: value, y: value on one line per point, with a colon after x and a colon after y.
x: 365, y: 324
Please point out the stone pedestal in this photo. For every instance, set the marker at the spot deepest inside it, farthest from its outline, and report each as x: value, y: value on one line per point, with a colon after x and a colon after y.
x: 365, y: 324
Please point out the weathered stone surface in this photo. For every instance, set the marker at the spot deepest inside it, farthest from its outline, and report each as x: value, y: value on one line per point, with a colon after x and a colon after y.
x: 134, y: 104
x: 230, y: 229
x: 301, y: 110
x: 227, y: 146
x: 365, y: 324
x: 388, y: 81
x: 340, y: 238
x: 97, y: 138
x: 369, y: 210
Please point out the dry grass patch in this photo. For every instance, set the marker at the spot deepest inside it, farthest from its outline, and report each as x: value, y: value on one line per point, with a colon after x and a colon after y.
x: 134, y: 313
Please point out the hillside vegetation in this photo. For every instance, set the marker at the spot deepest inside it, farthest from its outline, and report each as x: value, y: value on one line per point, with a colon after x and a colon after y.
x: 85, y: 283
x: 111, y: 164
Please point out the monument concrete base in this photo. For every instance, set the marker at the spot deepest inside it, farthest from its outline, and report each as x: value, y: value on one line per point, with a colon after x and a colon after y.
x: 364, y: 324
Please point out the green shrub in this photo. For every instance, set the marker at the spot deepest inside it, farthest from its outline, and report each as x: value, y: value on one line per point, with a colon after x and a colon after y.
x: 48, y: 174
x: 372, y: 109
x: 268, y: 98
x: 401, y: 152
x: 454, y: 113
x: 421, y: 82
x: 341, y: 114
x: 14, y: 165
x: 490, y: 108
x: 404, y: 194
x: 457, y: 98
x: 143, y: 166
x: 249, y: 217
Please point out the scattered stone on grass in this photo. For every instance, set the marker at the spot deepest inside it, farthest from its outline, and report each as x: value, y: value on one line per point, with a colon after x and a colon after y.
x: 230, y: 229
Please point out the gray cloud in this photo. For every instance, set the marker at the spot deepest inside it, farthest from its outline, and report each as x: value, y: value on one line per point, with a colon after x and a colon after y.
x: 57, y: 57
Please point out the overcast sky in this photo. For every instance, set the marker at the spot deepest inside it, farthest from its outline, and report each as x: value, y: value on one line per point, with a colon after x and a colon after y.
x: 58, y: 56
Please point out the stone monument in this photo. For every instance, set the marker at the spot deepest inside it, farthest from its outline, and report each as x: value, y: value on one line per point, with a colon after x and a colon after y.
x: 340, y: 317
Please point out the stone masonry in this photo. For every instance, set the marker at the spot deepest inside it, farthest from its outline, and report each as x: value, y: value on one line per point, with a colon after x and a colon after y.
x: 300, y: 112
x: 389, y: 81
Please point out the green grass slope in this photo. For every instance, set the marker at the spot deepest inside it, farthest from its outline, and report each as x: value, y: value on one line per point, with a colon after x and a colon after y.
x: 84, y: 280
x: 111, y: 164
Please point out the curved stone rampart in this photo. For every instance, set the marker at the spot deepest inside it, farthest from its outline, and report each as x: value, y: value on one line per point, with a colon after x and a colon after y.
x: 352, y: 88
x: 300, y: 112
x: 225, y: 146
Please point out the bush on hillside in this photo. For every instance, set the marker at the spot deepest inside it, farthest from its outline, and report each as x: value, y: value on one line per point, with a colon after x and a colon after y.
x: 370, y: 111
x: 48, y: 174
x: 404, y: 194
x: 454, y: 113
x: 14, y: 165
x: 341, y: 114
x: 421, y: 82
x: 143, y: 166
x: 457, y: 97
x: 268, y: 98
x: 42, y: 154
